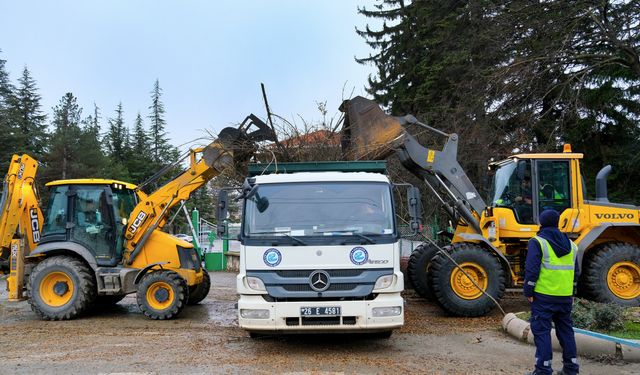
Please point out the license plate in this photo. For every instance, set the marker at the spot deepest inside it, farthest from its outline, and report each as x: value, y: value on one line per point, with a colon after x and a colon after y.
x: 320, y: 311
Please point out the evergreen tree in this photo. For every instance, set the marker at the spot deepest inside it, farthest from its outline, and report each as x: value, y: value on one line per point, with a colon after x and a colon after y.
x: 29, y: 119
x: 64, y: 159
x: 140, y: 162
x: 7, y: 131
x: 161, y: 150
x: 116, y: 138
x: 94, y: 161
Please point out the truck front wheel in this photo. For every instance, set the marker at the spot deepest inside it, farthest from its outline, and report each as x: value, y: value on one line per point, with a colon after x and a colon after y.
x: 454, y: 290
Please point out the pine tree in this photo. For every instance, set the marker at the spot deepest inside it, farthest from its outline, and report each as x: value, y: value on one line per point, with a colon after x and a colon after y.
x: 7, y: 131
x: 161, y: 150
x: 140, y: 161
x: 116, y: 138
x: 64, y: 159
x: 94, y: 161
x: 28, y: 118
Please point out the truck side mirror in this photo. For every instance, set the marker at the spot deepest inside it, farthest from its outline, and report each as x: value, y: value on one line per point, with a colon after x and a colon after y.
x: 222, y: 210
x: 414, y: 201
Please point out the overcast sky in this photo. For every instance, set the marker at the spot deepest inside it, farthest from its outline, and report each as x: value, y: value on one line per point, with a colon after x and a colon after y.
x: 210, y: 56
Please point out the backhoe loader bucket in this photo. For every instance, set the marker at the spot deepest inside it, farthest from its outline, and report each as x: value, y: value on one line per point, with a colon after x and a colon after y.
x: 234, y: 147
x: 368, y: 132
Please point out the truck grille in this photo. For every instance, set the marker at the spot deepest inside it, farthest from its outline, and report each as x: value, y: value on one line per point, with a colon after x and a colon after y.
x: 343, y: 283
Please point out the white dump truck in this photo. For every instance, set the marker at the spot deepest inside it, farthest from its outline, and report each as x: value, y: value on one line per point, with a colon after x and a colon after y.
x: 320, y: 249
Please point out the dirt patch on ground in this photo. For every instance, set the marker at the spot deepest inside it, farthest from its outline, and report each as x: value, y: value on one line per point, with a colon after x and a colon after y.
x: 206, y: 339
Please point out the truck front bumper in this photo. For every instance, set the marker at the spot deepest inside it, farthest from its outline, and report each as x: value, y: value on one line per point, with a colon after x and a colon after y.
x: 356, y: 316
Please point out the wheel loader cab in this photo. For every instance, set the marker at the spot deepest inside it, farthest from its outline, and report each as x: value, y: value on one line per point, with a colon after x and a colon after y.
x: 92, y: 213
x: 525, y: 185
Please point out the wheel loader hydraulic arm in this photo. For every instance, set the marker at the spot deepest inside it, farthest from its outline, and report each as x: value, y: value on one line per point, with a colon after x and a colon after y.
x: 370, y: 133
x: 233, y: 147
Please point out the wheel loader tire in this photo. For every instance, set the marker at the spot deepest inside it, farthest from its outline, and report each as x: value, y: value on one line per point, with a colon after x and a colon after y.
x: 162, y: 294
x: 199, y: 292
x: 454, y: 291
x: 611, y: 274
x: 418, y: 269
x: 61, y: 287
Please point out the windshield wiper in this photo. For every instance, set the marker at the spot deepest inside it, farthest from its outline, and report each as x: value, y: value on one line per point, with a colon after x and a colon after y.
x: 301, y: 242
x: 351, y: 232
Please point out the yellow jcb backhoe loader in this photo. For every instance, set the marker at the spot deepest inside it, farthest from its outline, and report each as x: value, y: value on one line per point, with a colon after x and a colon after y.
x: 490, y: 240
x: 101, y: 239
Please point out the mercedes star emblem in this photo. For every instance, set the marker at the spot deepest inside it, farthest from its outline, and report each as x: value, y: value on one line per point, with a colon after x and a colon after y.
x: 319, y: 281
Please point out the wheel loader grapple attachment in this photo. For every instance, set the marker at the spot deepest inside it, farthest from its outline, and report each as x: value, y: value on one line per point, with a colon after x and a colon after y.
x: 368, y: 132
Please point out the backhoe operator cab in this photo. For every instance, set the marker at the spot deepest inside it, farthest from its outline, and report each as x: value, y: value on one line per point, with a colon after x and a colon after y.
x: 91, y: 213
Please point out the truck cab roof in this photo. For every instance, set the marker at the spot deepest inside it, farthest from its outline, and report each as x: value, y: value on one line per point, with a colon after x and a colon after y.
x: 321, y: 177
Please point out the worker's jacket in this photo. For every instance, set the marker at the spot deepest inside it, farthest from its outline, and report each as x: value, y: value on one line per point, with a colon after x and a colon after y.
x: 556, y: 273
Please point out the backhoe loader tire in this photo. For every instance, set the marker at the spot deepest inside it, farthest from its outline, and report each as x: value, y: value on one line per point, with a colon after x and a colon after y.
x: 199, y: 292
x: 453, y: 290
x: 418, y: 269
x: 162, y: 294
x: 61, y: 287
x: 611, y: 274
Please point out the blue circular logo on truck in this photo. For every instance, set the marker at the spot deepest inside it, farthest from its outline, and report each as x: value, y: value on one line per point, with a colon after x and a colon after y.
x: 359, y: 256
x: 272, y: 257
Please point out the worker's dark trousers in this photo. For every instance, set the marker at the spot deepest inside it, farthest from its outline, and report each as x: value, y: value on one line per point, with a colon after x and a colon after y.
x: 542, y: 314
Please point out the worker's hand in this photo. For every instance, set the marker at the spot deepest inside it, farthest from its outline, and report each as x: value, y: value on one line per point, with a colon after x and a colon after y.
x: 518, y: 199
x: 530, y: 299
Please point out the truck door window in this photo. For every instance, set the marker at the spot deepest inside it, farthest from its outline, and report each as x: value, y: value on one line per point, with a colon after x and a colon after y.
x: 553, y: 185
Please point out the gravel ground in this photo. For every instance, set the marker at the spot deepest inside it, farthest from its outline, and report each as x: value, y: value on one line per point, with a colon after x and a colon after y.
x: 206, y: 339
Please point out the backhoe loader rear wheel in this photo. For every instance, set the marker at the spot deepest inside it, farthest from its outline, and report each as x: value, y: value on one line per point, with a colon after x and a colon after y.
x: 61, y: 287
x: 200, y: 291
x: 162, y: 294
x: 418, y: 269
x: 612, y: 274
x: 452, y: 288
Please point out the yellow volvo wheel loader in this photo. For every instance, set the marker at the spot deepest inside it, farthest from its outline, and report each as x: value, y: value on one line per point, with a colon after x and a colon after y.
x: 490, y: 239
x: 101, y: 239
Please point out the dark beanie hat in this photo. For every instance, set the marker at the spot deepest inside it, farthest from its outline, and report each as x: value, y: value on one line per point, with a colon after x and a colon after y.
x: 549, y: 218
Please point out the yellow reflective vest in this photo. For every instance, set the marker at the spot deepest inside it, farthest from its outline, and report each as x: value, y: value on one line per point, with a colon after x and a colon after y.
x: 556, y: 273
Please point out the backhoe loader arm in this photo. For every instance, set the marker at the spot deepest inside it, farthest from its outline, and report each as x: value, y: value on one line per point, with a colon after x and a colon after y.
x: 21, y: 217
x: 370, y: 133
x: 233, y: 147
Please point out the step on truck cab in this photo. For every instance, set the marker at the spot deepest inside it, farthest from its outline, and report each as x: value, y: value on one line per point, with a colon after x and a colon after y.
x: 319, y: 249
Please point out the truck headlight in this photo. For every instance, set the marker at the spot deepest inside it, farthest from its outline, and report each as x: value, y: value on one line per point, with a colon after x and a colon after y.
x: 256, y: 284
x: 386, y: 311
x: 254, y: 313
x: 384, y: 282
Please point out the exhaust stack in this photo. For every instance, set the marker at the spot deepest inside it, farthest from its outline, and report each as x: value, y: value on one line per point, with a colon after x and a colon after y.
x: 601, y: 184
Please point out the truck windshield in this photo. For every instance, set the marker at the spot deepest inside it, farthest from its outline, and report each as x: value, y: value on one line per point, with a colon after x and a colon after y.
x: 319, y: 209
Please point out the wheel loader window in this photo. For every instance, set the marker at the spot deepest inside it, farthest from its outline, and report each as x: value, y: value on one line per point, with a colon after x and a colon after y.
x: 512, y: 188
x: 554, y: 188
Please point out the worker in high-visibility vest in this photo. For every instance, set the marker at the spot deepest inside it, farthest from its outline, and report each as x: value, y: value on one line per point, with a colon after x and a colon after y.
x: 551, y: 273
